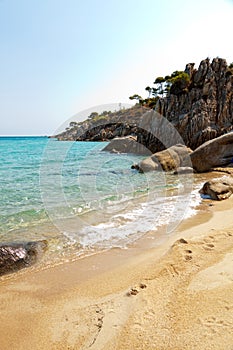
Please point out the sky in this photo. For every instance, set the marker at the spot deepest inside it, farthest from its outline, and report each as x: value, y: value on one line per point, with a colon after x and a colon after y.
x: 60, y: 57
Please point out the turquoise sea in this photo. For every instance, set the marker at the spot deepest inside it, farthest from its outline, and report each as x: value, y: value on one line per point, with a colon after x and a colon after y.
x: 80, y: 198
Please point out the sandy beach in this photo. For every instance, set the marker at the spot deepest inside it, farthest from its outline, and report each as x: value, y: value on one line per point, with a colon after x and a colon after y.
x: 172, y: 293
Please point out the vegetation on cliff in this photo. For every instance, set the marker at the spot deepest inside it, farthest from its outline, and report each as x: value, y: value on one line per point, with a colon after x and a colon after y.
x: 177, y: 83
x: 105, y: 125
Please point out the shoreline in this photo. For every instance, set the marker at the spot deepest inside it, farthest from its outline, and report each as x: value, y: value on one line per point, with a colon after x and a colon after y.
x: 126, y: 224
x: 143, y: 297
x: 63, y: 246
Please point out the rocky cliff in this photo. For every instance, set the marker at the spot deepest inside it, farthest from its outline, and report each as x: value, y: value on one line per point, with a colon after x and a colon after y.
x: 204, y: 110
x: 200, y: 110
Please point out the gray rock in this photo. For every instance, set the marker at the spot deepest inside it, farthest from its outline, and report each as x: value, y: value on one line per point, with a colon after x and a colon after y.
x: 147, y: 165
x: 167, y: 160
x: 15, y: 256
x: 213, y: 153
x: 127, y: 144
x: 205, y: 111
x: 218, y: 189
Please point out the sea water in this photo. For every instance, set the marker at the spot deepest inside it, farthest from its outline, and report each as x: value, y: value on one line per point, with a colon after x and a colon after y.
x: 79, y: 198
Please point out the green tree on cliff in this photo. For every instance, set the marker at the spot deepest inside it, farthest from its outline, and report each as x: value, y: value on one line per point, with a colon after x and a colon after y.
x: 159, y: 81
x: 176, y: 83
x: 136, y: 97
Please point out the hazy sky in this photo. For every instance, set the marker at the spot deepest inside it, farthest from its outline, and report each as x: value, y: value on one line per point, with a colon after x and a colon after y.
x: 59, y: 57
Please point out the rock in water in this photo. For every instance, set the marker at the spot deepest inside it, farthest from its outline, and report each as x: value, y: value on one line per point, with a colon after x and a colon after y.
x: 214, y: 153
x: 167, y: 160
x: 127, y: 144
x: 218, y: 189
x: 15, y: 256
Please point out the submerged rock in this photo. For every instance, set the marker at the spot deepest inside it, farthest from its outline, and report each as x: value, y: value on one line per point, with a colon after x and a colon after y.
x: 170, y: 159
x: 15, y: 256
x: 214, y: 153
x: 218, y: 189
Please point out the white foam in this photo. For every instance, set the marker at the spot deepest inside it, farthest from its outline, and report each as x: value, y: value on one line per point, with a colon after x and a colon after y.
x: 133, y: 223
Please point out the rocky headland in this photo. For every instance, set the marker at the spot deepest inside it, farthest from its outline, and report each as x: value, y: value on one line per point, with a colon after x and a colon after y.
x: 188, y: 129
x: 198, y: 103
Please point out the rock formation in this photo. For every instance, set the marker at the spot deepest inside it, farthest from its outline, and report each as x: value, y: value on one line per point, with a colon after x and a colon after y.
x: 213, y: 153
x: 127, y: 144
x: 15, y: 256
x: 170, y: 159
x: 204, y: 110
x: 218, y: 189
x: 199, y: 110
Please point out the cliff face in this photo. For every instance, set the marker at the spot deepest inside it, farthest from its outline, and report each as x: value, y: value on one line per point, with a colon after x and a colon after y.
x: 200, y: 111
x: 204, y: 110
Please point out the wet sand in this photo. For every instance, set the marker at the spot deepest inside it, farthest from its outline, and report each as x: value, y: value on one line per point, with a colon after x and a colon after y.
x: 168, y: 293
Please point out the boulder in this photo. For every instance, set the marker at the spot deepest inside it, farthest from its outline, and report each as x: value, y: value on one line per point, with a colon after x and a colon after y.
x: 127, y: 144
x: 15, y: 256
x: 167, y: 160
x: 147, y: 165
x: 213, y: 153
x: 218, y: 189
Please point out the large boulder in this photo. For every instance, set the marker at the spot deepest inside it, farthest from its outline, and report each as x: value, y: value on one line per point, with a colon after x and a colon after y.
x: 218, y: 189
x: 167, y: 160
x: 146, y: 165
x: 15, y: 256
x: 127, y: 144
x: 213, y: 153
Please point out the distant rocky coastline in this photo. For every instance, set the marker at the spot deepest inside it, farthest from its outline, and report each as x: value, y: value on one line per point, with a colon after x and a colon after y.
x: 105, y: 126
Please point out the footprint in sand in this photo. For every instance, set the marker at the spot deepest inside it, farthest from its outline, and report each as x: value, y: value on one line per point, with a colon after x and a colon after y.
x: 208, y: 243
x: 208, y: 246
x: 187, y: 252
x: 135, y: 290
x: 209, y: 239
x: 188, y: 255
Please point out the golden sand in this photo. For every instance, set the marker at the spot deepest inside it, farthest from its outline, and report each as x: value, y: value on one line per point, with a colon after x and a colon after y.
x: 177, y: 294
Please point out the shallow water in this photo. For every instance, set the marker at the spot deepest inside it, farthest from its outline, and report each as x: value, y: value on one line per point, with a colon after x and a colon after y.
x: 79, y: 198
